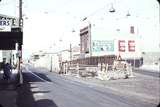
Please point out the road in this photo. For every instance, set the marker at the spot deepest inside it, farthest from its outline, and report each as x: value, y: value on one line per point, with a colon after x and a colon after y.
x: 47, y: 89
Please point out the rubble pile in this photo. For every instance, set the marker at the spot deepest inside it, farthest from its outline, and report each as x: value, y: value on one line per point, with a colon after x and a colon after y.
x: 110, y: 75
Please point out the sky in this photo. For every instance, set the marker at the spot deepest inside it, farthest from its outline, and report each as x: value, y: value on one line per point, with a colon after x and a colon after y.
x: 48, y: 24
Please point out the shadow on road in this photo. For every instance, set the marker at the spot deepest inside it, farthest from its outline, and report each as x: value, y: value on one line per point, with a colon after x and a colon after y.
x: 46, y: 103
x: 43, y: 76
x: 26, y: 95
x: 37, y: 72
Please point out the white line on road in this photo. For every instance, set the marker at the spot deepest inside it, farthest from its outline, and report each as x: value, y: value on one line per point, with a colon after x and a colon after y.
x: 36, y: 75
x: 38, y: 94
x: 35, y: 89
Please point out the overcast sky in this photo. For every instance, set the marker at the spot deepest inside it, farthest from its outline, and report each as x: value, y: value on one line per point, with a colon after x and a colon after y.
x: 48, y: 21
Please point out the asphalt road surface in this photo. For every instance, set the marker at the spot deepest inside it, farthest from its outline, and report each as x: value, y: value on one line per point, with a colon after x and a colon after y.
x: 47, y: 89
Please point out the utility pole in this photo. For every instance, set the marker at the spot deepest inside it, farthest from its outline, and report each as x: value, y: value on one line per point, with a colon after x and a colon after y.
x: 20, y: 15
x: 19, y: 44
x: 90, y: 41
x: 70, y: 52
x: 20, y: 22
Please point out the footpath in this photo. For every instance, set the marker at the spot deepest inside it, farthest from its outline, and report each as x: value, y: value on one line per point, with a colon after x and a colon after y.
x: 8, y: 92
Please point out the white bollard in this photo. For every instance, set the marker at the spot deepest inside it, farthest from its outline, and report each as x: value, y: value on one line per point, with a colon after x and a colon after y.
x: 106, y: 68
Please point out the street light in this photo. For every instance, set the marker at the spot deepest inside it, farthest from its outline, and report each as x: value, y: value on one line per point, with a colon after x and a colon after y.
x: 128, y: 14
x: 73, y: 30
x: 84, y: 19
x: 112, y: 10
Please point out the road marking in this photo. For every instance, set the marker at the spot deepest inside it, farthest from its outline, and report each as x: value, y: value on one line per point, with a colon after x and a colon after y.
x: 35, y: 89
x: 32, y: 84
x: 36, y: 75
x: 38, y: 94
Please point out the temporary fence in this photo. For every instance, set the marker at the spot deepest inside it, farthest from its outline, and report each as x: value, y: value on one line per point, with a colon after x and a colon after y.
x: 104, y: 68
x: 94, y: 60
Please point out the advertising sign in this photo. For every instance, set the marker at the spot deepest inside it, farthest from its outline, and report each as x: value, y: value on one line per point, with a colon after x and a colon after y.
x: 103, y: 46
x: 124, y: 46
x: 13, y: 20
x: 5, y: 25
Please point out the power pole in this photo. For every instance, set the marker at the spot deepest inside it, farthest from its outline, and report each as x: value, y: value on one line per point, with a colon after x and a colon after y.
x: 70, y: 52
x: 19, y: 44
x: 20, y: 23
x: 20, y: 15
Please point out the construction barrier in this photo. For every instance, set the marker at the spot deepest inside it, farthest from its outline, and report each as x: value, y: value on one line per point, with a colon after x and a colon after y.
x: 102, y: 71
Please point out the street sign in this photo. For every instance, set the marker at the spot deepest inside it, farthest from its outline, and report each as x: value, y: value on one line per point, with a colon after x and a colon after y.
x: 5, y: 25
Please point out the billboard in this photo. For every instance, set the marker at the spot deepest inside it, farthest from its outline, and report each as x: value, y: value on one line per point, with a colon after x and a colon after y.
x: 103, y: 46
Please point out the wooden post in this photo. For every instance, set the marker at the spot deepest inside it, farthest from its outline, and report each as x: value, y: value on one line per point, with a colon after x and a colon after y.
x: 77, y: 69
x: 106, y: 68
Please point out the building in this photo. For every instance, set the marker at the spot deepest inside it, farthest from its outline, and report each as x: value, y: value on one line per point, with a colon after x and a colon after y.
x: 124, y: 42
x: 75, y: 52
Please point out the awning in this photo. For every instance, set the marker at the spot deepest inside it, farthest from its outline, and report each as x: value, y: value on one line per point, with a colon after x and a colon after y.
x: 9, y: 39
